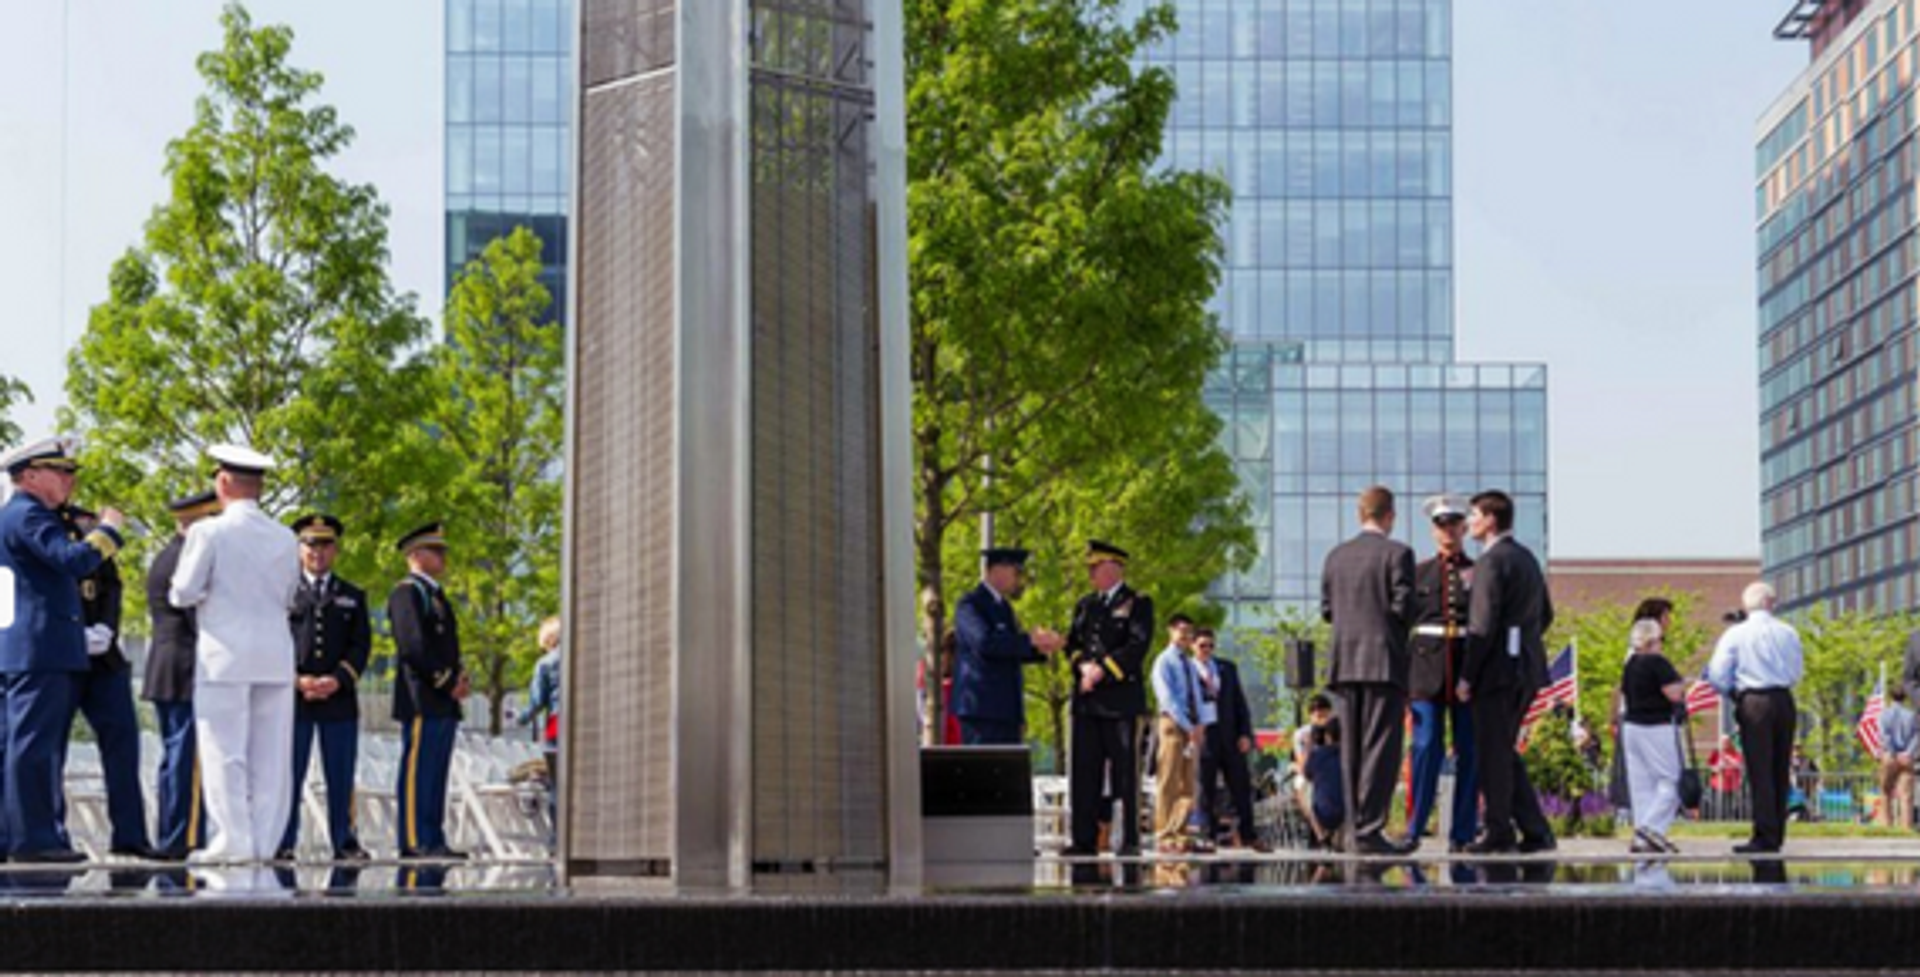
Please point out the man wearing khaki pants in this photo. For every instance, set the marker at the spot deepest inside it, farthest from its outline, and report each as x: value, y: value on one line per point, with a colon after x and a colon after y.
x: 1896, y: 760
x: 1180, y: 735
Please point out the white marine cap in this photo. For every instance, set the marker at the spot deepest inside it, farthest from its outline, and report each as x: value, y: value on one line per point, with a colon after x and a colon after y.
x: 1444, y: 507
x: 55, y: 452
x: 239, y: 460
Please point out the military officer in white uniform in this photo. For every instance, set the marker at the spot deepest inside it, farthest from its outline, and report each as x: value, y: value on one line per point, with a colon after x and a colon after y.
x: 240, y: 572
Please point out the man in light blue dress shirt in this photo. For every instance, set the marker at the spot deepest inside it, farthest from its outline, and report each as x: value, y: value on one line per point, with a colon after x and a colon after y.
x: 1756, y: 664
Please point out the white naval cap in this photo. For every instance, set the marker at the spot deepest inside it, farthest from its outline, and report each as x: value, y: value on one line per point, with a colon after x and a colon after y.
x: 55, y: 452
x: 239, y: 460
x: 1444, y: 507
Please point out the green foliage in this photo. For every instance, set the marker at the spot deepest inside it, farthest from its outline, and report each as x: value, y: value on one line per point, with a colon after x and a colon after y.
x: 12, y: 391
x: 1553, y: 763
x: 1059, y: 280
x: 496, y: 459
x: 257, y: 310
x: 1600, y: 633
x: 1844, y: 656
x: 1263, y: 654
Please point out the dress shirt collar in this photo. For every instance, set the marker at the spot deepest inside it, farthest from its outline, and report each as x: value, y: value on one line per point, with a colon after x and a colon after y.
x: 431, y: 583
x: 1106, y: 596
x: 1002, y: 598
x: 317, y: 583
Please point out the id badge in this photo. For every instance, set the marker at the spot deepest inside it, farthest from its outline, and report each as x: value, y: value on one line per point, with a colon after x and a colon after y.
x: 1513, y: 642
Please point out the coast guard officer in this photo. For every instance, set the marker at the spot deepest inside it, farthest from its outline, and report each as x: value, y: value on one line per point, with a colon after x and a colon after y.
x: 427, y: 693
x: 332, y: 637
x: 1111, y: 635
x: 988, y: 697
x: 240, y: 571
x: 180, y: 823
x: 104, y: 695
x: 43, y: 644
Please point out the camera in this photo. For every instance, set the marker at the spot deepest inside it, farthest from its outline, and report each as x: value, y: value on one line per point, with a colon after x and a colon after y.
x: 1734, y: 617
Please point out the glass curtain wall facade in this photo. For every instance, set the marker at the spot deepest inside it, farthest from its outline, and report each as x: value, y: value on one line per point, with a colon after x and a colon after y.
x: 1333, y: 122
x: 510, y: 90
x: 1835, y: 165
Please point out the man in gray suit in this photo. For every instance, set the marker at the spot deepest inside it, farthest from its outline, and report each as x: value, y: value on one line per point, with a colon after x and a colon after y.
x: 1506, y: 663
x: 1366, y: 593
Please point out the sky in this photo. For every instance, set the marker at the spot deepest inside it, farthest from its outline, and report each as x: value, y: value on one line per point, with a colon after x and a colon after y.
x: 1603, y: 193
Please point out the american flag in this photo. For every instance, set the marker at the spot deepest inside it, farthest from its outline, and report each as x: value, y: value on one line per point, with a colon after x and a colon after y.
x: 1701, y: 697
x: 1868, y: 729
x: 1563, y: 686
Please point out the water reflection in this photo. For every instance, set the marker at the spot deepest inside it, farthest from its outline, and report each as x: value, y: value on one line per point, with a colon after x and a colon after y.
x: 1621, y: 876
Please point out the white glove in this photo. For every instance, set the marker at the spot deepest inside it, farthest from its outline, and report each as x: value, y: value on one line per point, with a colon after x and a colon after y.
x: 99, y: 639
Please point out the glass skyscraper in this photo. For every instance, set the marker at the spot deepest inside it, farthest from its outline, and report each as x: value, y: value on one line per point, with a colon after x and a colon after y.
x: 510, y: 92
x: 1834, y: 197
x: 1333, y: 122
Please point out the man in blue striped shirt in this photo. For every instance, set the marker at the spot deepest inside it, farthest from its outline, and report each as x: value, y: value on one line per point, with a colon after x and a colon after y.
x: 1181, y: 734
x: 1896, y: 760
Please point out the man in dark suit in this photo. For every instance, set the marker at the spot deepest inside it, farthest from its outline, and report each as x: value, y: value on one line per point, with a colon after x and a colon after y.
x: 43, y: 645
x: 1229, y: 739
x: 1366, y: 593
x: 1505, y: 664
x: 180, y: 823
x: 104, y: 695
x: 332, y: 637
x: 988, y: 696
x: 1111, y: 635
x: 427, y: 694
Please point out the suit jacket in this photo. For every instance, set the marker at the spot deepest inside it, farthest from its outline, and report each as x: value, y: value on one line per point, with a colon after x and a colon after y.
x: 990, y: 649
x: 1235, y: 717
x: 1510, y: 604
x: 41, y: 627
x: 1117, y: 635
x: 101, y: 594
x: 426, y: 640
x: 332, y: 636
x: 170, y: 652
x: 1366, y: 593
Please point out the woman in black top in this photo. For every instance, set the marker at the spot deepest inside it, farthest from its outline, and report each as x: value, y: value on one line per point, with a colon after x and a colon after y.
x: 1651, y: 690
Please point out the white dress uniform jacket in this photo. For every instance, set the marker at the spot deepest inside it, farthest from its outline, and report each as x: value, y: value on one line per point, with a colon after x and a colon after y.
x: 241, y: 572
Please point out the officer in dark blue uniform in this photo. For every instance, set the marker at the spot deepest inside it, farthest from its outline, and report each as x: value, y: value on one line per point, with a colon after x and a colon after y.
x: 332, y: 637
x: 104, y: 695
x: 180, y: 823
x: 1111, y: 636
x: 988, y: 697
x: 43, y: 643
x: 427, y: 692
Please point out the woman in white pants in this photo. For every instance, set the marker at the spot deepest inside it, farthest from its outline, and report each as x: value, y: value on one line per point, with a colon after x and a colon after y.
x: 1652, y: 689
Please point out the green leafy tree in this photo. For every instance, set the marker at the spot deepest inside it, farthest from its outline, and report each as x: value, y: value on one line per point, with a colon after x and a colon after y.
x: 1845, y: 654
x: 1059, y: 280
x: 1600, y: 635
x: 257, y: 310
x: 498, y: 438
x: 12, y: 391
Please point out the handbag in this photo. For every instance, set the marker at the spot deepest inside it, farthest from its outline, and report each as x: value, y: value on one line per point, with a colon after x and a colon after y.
x: 1692, y: 792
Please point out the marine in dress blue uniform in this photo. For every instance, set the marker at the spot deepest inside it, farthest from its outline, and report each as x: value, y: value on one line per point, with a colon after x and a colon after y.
x: 180, y: 822
x: 427, y: 692
x: 988, y: 696
x: 1441, y: 591
x: 104, y: 695
x: 1109, y: 640
x: 43, y: 644
x: 332, y: 638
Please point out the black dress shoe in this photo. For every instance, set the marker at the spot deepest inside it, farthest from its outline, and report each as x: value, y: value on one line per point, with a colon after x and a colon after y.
x: 1747, y: 848
x: 285, y: 855
x: 1529, y: 846
x: 1456, y: 847
x: 1375, y: 844
x: 354, y: 853
x: 1071, y: 851
x: 1490, y: 846
x: 52, y: 856
x: 444, y: 854
x: 170, y: 855
x: 144, y: 852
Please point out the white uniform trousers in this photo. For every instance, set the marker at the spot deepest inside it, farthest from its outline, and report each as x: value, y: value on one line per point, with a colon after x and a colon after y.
x: 245, y: 734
